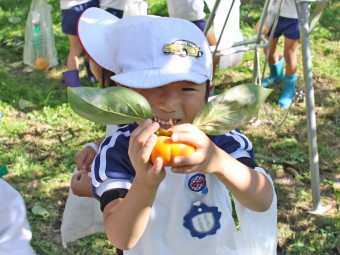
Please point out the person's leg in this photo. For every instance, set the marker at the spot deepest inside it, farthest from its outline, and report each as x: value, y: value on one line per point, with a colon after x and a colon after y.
x: 273, y: 56
x: 290, y: 79
x: 275, y: 64
x: 290, y: 55
x: 292, y: 35
x: 69, y: 27
x: 74, y: 53
x: 71, y: 77
x: 69, y: 24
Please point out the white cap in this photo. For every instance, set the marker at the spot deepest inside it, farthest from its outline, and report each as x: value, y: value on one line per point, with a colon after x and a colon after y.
x: 145, y: 51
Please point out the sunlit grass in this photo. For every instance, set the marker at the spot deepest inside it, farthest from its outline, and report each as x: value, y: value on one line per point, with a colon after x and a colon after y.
x: 39, y: 134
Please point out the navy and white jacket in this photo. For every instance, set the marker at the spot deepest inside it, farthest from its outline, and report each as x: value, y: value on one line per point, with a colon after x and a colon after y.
x: 112, y: 161
x: 167, y: 231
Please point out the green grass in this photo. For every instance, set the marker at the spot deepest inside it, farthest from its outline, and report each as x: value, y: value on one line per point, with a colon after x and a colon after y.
x: 40, y: 134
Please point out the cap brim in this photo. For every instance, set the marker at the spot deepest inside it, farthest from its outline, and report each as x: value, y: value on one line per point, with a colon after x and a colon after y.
x: 155, y: 78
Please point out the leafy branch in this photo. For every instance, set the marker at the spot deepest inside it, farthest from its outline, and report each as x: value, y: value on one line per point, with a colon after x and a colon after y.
x: 118, y: 105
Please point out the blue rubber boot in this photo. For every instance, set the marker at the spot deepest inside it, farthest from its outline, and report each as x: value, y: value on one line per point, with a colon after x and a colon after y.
x: 71, y: 78
x: 288, y: 91
x: 276, y: 74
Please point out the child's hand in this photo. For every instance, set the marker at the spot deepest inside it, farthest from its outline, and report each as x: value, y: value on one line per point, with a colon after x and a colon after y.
x: 142, y: 141
x: 81, y: 184
x: 205, y: 158
x: 84, y: 158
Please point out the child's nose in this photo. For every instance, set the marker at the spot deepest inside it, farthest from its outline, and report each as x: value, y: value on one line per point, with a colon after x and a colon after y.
x: 168, y: 101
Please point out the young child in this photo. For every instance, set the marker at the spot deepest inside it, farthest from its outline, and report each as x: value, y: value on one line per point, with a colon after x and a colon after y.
x: 288, y: 26
x: 70, y: 11
x: 148, y: 208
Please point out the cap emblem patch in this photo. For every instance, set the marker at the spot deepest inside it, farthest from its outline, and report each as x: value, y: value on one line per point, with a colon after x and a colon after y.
x: 183, y: 48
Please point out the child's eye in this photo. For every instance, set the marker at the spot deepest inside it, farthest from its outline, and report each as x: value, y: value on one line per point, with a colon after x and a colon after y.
x: 188, y: 89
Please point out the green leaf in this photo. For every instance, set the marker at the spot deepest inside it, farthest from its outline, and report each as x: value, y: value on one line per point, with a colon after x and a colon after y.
x: 39, y: 209
x: 231, y: 109
x: 113, y: 105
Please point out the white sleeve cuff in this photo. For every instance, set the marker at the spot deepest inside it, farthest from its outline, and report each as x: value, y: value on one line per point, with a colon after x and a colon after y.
x: 93, y: 146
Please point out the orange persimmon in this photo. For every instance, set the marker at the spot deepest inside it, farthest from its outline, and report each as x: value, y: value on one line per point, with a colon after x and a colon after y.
x: 41, y: 64
x: 167, y: 150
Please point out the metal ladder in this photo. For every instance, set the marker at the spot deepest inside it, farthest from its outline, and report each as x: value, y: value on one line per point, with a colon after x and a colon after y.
x: 261, y: 42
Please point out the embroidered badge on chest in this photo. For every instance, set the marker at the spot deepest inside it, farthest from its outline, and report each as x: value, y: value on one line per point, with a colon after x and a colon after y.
x: 198, y: 183
x: 202, y: 220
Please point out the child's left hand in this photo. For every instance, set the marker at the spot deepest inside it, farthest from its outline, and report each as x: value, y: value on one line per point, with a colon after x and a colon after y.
x: 206, y: 157
x: 81, y: 184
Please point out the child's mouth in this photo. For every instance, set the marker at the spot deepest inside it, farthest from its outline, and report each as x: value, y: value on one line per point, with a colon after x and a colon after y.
x: 167, y: 123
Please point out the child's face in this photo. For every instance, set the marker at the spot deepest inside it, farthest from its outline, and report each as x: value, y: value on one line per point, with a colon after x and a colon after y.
x: 178, y: 101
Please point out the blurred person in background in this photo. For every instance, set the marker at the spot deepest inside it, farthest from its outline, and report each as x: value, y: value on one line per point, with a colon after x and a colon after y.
x: 288, y: 26
x: 70, y: 12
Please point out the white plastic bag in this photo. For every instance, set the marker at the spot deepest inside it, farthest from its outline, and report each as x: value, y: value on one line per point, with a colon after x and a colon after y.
x: 82, y: 217
x: 135, y: 8
x: 231, y: 34
x: 39, y: 37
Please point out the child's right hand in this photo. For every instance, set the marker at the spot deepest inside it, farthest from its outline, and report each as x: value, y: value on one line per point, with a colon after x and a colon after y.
x: 142, y: 141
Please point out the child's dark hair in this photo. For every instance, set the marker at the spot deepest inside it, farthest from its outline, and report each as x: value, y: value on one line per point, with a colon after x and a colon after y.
x: 106, y: 80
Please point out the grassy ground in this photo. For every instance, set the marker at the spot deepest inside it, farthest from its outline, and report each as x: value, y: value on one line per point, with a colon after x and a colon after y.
x: 39, y: 135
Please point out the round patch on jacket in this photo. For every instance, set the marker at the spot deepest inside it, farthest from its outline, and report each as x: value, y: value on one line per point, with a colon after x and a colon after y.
x: 197, y: 182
